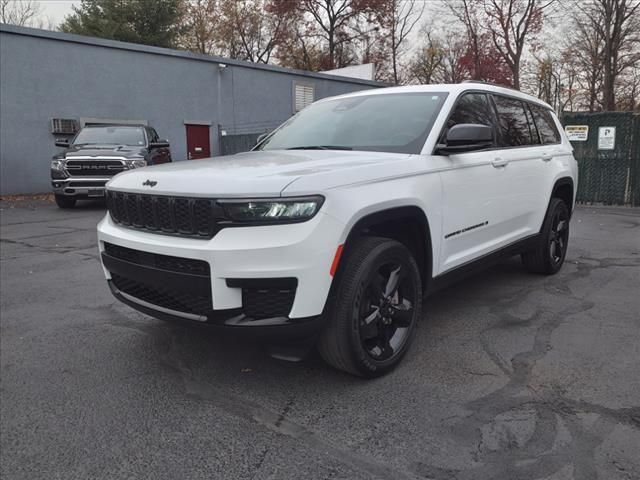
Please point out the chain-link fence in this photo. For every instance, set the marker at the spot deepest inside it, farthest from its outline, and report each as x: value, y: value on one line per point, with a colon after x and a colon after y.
x: 609, y: 158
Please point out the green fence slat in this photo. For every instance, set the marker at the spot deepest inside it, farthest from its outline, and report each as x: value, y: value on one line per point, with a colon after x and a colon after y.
x: 610, y: 177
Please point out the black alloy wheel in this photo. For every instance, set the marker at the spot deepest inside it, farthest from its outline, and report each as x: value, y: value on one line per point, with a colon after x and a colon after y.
x: 548, y: 257
x: 373, y: 309
x: 559, y: 236
x: 386, y: 312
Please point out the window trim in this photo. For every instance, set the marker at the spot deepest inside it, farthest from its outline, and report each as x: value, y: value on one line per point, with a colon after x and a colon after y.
x: 497, y: 132
x: 494, y: 125
x: 525, y: 107
x: 553, y: 123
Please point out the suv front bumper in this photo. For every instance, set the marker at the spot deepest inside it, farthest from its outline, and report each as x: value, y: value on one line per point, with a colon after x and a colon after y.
x: 80, y: 187
x: 261, y: 277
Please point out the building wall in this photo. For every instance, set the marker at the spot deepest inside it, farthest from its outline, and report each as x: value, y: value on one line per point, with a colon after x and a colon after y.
x: 46, y: 75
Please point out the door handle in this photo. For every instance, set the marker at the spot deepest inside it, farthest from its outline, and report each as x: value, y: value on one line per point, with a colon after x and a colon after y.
x: 499, y: 162
x: 546, y: 157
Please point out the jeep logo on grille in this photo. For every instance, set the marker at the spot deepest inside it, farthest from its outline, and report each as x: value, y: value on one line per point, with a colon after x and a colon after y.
x: 149, y: 183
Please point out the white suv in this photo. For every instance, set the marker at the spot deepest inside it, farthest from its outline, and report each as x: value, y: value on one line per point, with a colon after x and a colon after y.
x: 339, y: 222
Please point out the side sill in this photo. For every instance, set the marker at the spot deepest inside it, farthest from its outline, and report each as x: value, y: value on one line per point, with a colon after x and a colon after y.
x: 477, y: 265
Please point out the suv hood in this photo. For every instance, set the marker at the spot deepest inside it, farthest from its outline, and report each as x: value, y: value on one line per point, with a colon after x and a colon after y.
x: 254, y: 174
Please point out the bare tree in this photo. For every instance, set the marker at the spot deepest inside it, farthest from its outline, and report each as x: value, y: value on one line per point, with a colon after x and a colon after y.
x: 428, y: 61
x: 468, y: 13
x: 585, y: 45
x: 401, y: 18
x: 200, y: 26
x: 19, y: 12
x: 628, y: 90
x: 251, y: 30
x: 334, y: 21
x: 452, y: 68
x: 617, y: 22
x: 511, y: 23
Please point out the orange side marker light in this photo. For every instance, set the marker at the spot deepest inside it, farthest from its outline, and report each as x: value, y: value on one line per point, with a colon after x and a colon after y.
x: 336, y: 260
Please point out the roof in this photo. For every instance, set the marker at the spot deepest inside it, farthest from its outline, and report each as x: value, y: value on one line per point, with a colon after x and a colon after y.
x: 101, y: 42
x: 454, y: 88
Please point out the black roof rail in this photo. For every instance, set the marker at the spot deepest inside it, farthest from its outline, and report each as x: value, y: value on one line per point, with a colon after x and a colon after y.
x: 482, y: 82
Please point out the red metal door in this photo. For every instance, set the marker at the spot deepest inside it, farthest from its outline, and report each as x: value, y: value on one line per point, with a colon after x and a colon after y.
x: 198, y: 141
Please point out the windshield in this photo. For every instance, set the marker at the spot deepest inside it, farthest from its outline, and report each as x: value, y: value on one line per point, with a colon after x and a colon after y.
x: 392, y: 122
x: 110, y: 136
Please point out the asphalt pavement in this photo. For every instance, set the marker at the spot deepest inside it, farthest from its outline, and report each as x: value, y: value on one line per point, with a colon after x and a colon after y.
x: 511, y: 376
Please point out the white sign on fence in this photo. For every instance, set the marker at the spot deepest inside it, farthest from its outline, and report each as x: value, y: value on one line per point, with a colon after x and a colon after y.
x: 606, y: 138
x: 577, y: 133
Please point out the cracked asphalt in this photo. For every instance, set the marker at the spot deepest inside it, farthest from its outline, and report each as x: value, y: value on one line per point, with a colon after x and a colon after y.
x: 511, y: 376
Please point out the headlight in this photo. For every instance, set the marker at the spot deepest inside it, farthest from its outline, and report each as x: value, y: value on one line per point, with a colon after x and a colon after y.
x: 268, y: 211
x: 57, y: 165
x: 136, y: 163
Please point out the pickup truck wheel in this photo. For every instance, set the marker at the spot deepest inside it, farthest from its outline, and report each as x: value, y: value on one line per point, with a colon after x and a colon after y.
x: 549, y: 256
x: 64, y: 201
x: 372, y: 319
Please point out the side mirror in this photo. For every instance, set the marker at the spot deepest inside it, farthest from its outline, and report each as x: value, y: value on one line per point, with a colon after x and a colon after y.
x: 62, y: 142
x: 162, y: 143
x: 466, y: 137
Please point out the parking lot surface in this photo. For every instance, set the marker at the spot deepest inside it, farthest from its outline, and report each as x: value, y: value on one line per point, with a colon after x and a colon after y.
x: 511, y: 376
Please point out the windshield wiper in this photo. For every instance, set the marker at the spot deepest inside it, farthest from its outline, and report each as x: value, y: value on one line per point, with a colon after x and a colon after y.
x: 321, y: 147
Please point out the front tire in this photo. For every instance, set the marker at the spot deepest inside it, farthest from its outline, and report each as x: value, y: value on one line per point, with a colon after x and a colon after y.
x: 549, y: 256
x: 65, y: 202
x: 377, y: 304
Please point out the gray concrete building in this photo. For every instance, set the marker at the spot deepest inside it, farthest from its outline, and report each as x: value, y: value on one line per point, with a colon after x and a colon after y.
x: 52, y: 83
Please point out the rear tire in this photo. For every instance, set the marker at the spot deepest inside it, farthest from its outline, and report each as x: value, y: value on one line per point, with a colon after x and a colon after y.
x: 548, y: 257
x: 372, y: 318
x: 64, y: 201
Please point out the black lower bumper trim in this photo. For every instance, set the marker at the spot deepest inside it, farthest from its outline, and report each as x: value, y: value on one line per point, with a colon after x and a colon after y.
x: 233, y: 320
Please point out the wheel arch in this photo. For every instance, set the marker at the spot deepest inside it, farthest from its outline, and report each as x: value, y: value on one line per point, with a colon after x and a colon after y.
x: 564, y: 189
x: 408, y: 225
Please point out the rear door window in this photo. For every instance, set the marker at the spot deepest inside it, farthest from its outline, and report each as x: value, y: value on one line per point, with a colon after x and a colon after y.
x: 512, y: 122
x: 547, y: 129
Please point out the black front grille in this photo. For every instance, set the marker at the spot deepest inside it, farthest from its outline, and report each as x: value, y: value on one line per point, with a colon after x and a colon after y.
x: 191, y: 217
x: 267, y: 303
x: 155, y: 260
x: 178, y: 301
x: 94, y: 168
x: 86, y: 183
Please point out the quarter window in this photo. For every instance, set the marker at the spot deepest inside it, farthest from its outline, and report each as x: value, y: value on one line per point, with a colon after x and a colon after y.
x: 546, y: 126
x: 512, y: 120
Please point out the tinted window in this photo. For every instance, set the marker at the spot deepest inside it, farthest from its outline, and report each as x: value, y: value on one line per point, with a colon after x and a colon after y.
x: 388, y: 122
x: 535, y: 138
x: 472, y: 108
x: 546, y: 126
x: 512, y: 120
x: 153, y: 136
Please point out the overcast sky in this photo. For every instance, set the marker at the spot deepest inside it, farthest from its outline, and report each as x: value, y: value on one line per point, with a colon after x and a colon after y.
x: 56, y: 9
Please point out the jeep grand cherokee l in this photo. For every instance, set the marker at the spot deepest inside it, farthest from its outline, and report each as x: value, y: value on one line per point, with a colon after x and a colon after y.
x: 341, y: 220
x: 99, y: 152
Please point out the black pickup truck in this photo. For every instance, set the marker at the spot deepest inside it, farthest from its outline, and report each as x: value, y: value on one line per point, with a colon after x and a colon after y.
x: 97, y: 153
